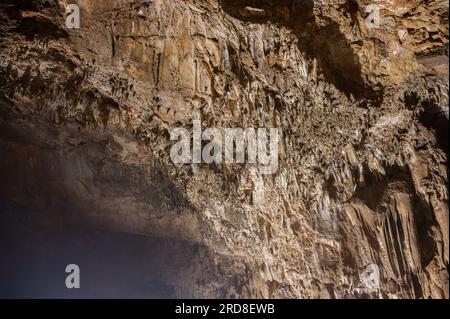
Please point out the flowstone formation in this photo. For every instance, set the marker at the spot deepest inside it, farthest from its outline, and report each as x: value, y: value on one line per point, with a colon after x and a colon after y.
x: 358, y: 207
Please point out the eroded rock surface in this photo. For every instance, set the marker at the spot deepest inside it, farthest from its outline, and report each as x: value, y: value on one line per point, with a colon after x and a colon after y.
x: 359, y: 205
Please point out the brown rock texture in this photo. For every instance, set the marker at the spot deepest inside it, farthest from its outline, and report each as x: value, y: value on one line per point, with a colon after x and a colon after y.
x: 359, y: 205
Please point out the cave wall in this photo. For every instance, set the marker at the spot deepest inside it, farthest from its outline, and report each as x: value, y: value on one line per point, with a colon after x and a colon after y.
x: 359, y: 205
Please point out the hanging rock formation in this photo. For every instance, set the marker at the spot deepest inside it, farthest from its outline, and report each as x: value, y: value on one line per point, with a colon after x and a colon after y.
x: 359, y: 205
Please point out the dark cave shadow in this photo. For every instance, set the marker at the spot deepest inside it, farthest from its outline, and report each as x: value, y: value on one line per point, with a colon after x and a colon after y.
x: 44, y: 226
x: 45, y: 26
x: 112, y: 265
x: 336, y: 59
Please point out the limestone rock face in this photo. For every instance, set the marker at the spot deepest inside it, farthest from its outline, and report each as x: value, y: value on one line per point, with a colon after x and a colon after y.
x: 359, y: 205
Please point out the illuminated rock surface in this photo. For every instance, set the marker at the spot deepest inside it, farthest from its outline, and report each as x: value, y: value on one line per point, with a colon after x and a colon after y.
x: 357, y: 209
